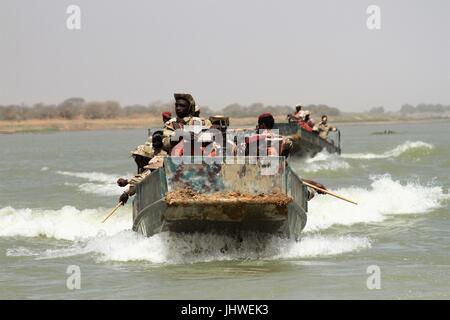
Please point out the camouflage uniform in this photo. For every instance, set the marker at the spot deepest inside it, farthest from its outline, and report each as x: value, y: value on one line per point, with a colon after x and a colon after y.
x: 179, y: 123
x: 323, y: 130
x: 157, y: 161
x: 144, y: 150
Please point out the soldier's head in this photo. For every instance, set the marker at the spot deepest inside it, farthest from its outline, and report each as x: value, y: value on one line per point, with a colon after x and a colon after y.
x: 157, y: 139
x: 266, y: 121
x: 166, y: 116
x: 184, y: 104
x: 141, y: 156
x: 324, y: 119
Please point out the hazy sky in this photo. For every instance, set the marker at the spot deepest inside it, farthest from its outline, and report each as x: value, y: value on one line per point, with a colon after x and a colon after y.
x: 225, y: 51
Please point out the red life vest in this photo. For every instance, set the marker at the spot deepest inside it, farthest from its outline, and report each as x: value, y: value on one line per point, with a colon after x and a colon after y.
x: 305, y: 126
x: 262, y: 140
x: 178, y: 151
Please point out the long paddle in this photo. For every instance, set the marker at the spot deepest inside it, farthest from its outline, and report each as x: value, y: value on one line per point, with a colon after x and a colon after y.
x: 328, y: 192
x: 112, y: 211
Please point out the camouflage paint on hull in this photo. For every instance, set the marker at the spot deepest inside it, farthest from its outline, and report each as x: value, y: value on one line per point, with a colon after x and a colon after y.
x: 152, y: 214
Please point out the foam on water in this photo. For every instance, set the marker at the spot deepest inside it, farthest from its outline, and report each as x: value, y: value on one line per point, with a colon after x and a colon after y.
x: 67, y: 223
x: 415, y: 148
x: 90, y: 176
x: 114, y: 241
x: 383, y: 198
x: 324, y: 161
x: 175, y: 249
x: 99, y: 183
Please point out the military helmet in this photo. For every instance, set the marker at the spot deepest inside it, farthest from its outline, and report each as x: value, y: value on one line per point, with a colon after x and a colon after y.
x: 188, y: 97
x: 144, y: 150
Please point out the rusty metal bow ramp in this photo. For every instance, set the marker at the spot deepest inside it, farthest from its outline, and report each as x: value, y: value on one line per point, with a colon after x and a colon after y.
x: 211, y: 196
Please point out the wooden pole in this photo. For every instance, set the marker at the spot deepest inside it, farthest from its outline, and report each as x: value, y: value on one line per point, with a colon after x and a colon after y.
x: 328, y: 192
x: 112, y: 211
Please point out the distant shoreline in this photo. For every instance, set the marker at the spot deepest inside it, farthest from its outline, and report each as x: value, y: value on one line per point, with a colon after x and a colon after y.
x: 62, y: 125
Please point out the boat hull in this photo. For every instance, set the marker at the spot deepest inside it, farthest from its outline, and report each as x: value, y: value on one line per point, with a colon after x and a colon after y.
x: 154, y: 212
x: 306, y: 143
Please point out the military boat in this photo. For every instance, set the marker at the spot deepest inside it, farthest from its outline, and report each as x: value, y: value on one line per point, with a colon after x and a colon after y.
x: 304, y: 143
x: 191, y: 194
x: 307, y: 143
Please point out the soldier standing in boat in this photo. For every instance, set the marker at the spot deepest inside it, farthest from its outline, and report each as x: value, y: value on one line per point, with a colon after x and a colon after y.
x: 323, y: 128
x: 184, y: 108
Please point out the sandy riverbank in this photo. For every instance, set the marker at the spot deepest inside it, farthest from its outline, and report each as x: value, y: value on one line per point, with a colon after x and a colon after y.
x: 55, y: 125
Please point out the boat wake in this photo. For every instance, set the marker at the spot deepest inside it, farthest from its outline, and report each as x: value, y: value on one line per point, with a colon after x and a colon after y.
x: 165, y: 248
x: 114, y: 241
x: 67, y: 223
x: 98, y: 183
x: 384, y: 198
x: 323, y: 161
x: 408, y: 148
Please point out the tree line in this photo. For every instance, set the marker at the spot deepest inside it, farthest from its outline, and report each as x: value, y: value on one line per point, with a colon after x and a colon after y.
x: 424, y: 108
x: 78, y: 108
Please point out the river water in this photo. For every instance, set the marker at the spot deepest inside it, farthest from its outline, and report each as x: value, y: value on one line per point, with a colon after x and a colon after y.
x: 56, y: 188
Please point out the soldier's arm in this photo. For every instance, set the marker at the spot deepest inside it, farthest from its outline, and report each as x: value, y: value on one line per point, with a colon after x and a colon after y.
x: 168, y: 133
x: 132, y: 183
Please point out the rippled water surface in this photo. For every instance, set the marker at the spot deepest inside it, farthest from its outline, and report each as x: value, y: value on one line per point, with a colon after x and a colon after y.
x: 57, y: 187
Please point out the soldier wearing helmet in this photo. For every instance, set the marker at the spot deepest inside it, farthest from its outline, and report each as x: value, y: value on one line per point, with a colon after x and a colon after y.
x: 305, y: 121
x: 142, y: 154
x: 153, y: 159
x: 184, y: 108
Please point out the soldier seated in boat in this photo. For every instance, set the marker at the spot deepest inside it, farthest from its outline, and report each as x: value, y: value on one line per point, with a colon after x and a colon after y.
x: 264, y: 127
x: 309, y: 120
x: 201, y: 142
x: 305, y: 122
x: 154, y: 162
x: 141, y: 155
x: 184, y: 108
x: 323, y: 128
x: 298, y: 115
x: 265, y: 141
